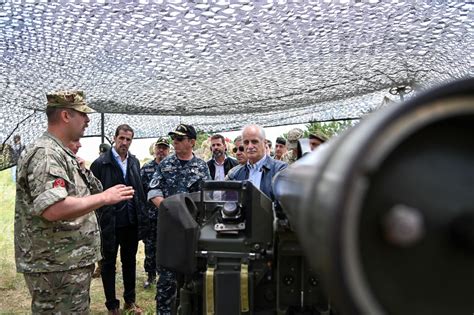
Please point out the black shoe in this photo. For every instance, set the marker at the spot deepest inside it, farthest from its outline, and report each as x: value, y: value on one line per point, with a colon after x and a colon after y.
x: 150, y: 281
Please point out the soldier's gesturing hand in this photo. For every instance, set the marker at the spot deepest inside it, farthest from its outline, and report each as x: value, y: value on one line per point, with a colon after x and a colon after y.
x: 118, y: 193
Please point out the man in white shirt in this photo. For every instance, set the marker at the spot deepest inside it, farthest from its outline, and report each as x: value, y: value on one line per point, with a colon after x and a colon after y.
x: 122, y: 224
x: 220, y: 164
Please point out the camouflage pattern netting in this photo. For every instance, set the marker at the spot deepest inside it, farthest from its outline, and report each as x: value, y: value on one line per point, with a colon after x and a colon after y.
x: 221, y: 64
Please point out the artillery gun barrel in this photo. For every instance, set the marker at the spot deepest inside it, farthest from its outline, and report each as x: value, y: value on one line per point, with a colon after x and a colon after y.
x: 385, y: 211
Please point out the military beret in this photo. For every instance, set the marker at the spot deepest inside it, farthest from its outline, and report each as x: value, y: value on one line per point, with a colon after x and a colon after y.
x: 281, y: 140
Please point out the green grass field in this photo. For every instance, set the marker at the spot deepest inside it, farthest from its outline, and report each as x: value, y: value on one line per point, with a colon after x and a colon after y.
x: 14, y: 296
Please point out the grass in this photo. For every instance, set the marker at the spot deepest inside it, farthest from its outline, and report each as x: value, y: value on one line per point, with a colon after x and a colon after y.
x: 14, y: 296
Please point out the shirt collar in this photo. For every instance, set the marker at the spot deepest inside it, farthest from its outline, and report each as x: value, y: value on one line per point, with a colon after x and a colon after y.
x: 257, y: 165
x: 216, y: 163
x: 117, y: 156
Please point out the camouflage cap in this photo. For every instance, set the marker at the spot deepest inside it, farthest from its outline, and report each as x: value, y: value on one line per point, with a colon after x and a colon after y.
x: 163, y: 141
x: 68, y: 99
x: 293, y: 136
x: 318, y: 135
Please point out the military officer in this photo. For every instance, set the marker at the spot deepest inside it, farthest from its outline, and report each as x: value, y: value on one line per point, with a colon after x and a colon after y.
x: 316, y: 139
x: 292, y: 154
x: 178, y: 173
x: 57, y: 238
x: 161, y: 149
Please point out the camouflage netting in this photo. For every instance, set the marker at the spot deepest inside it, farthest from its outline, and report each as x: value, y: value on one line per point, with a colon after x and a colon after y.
x: 221, y: 64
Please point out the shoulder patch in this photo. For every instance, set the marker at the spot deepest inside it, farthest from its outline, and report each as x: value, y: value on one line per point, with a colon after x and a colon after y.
x: 59, y: 182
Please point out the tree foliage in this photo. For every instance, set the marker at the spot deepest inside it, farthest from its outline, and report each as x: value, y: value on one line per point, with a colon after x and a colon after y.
x: 328, y: 129
x: 201, y: 137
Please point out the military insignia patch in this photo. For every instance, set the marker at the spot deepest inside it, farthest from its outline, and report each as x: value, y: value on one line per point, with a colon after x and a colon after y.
x: 59, y: 182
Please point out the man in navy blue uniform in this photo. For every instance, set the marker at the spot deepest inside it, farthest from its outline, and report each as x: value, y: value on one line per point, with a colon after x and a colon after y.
x: 161, y: 149
x: 177, y: 173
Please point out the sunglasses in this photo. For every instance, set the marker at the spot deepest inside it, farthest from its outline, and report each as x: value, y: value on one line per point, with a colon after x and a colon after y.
x: 178, y: 138
x: 241, y: 149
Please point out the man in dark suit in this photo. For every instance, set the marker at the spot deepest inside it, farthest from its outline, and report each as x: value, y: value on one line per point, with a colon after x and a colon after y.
x: 220, y: 164
x: 122, y: 224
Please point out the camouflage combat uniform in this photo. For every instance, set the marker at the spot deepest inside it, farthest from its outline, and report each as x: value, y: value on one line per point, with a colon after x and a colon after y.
x: 171, y: 178
x: 146, y: 173
x: 57, y: 258
x: 293, y: 136
x: 289, y: 157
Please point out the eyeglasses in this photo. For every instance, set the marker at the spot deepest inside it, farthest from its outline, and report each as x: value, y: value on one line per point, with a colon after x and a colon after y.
x: 241, y: 149
x: 178, y: 138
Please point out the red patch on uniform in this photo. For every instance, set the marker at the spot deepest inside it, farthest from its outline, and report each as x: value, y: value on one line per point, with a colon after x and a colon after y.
x: 59, y: 182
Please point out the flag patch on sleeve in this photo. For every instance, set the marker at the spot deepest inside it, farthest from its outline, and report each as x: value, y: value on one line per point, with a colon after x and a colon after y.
x: 59, y: 182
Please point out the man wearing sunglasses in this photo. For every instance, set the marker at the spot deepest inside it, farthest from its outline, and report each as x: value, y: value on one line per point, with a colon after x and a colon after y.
x: 239, y: 150
x: 260, y: 168
x: 177, y: 173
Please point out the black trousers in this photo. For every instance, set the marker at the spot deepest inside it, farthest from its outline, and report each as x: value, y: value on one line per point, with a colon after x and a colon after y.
x: 127, y: 239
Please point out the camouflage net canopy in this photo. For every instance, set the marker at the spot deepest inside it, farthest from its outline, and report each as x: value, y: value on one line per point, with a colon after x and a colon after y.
x: 219, y: 65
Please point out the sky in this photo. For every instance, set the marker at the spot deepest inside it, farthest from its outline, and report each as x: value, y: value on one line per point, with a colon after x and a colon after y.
x: 90, y: 146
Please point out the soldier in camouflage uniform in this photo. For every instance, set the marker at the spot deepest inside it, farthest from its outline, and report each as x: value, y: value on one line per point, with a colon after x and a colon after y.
x: 292, y: 154
x: 280, y: 148
x: 316, y: 139
x: 161, y: 149
x: 178, y: 173
x: 57, y: 239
